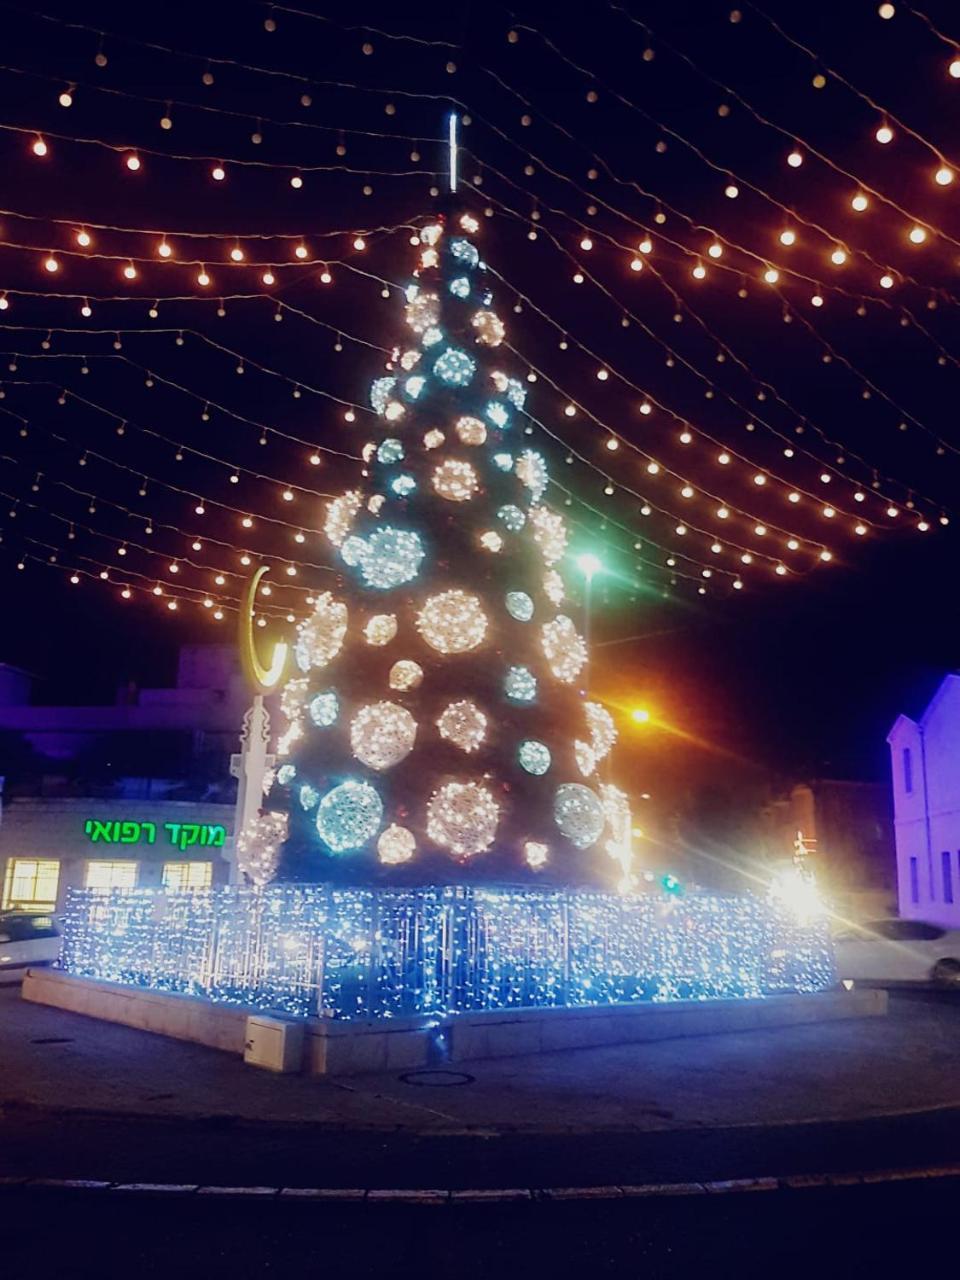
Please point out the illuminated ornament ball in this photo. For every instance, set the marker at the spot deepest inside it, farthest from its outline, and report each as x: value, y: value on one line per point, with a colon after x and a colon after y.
x: 497, y: 413
x: 320, y: 637
x: 410, y: 359
x: 309, y: 796
x: 463, y: 724
x: 586, y: 760
x: 413, y: 387
x: 512, y: 517
x: 286, y: 774
x: 464, y: 251
x: 549, y: 533
x: 520, y: 684
x: 503, y: 461
x: 534, y: 756
x: 382, y: 734
x: 422, y: 312
x: 519, y: 606
x: 349, y: 816
x: 462, y: 818
x: 380, y: 390
x: 460, y: 287
x: 388, y: 558
x: 532, y: 472
x: 381, y: 628
x: 291, y: 698
x: 396, y: 845
x: 536, y: 853
x: 489, y: 328
x: 491, y: 541
x: 452, y: 622
x: 433, y: 438
x: 564, y: 648
x: 405, y: 674
x: 603, y: 731
x: 403, y: 485
x: 390, y: 451
x: 324, y: 709
x: 553, y: 587
x: 579, y: 814
x: 471, y: 430
x: 455, y: 367
x: 455, y: 480
x: 341, y: 513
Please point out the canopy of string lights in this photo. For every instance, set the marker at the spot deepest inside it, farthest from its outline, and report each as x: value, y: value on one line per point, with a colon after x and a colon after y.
x: 725, y: 242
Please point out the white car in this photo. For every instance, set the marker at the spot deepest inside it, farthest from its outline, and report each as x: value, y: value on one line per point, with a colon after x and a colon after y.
x: 899, y: 951
x: 27, y: 939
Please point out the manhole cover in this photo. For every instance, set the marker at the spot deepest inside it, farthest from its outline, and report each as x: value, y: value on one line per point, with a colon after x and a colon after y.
x: 53, y: 1040
x: 445, y: 1079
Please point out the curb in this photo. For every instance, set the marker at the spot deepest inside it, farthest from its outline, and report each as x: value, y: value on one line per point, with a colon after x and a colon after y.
x: 481, y: 1195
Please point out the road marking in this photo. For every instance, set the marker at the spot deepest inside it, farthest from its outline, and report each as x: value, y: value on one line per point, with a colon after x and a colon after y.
x: 491, y: 1195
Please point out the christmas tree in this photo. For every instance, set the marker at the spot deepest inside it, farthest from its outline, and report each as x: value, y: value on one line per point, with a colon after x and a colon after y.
x: 438, y: 728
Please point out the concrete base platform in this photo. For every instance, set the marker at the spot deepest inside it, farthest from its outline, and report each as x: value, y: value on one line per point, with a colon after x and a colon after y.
x: 402, y: 1044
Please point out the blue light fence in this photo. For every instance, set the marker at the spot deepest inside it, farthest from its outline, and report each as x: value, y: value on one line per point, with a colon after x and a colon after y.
x: 349, y: 953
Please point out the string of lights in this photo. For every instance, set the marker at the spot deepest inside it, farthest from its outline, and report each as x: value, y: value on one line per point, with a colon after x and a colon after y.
x: 151, y: 524
x: 244, y: 362
x: 883, y: 113
x: 219, y: 165
x: 66, y: 99
x: 864, y: 188
x: 207, y: 61
x: 830, y: 469
x: 761, y: 388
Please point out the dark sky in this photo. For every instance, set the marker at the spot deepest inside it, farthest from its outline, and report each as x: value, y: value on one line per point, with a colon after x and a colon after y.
x: 803, y: 675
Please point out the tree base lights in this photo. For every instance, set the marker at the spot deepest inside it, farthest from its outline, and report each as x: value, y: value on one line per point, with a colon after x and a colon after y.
x: 347, y: 953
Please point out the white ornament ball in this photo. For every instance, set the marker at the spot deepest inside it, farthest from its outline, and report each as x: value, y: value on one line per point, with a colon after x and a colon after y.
x: 382, y: 734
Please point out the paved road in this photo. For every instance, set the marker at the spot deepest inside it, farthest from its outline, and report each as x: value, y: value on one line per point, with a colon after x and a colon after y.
x: 862, y: 1231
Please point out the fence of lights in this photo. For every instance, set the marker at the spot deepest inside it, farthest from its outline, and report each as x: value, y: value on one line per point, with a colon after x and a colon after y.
x: 310, y: 950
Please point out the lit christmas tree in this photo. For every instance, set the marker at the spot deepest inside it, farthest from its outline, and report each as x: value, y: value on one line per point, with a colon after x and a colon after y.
x: 438, y: 729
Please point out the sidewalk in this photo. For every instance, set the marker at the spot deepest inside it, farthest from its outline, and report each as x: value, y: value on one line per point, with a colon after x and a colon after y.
x: 52, y: 1060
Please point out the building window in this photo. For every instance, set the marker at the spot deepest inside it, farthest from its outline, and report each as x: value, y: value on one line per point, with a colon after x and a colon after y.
x: 914, y: 882
x: 907, y: 769
x: 178, y: 876
x: 111, y: 875
x: 30, y: 884
x: 947, y: 868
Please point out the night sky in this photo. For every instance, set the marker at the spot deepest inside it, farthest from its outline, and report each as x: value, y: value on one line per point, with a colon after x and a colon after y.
x: 801, y: 674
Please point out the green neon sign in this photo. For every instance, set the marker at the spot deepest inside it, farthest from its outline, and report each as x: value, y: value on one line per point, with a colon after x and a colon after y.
x: 179, y: 835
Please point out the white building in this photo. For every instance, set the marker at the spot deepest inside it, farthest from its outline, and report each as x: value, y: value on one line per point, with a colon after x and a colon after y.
x: 925, y: 763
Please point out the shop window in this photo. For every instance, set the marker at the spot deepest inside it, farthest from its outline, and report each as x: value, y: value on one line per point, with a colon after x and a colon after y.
x: 111, y: 875
x: 178, y: 876
x: 30, y: 884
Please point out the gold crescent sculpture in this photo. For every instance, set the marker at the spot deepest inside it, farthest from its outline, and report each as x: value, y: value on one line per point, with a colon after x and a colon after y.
x: 263, y: 679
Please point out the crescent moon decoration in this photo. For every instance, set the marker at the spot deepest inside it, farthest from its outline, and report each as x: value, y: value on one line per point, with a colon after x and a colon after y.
x: 263, y: 679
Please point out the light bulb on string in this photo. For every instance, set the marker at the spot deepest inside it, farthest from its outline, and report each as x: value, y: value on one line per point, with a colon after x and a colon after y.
x: 884, y: 134
x: 859, y: 202
x: 296, y: 182
x: 132, y: 161
x: 268, y: 277
x: 163, y: 249
x: 943, y: 176
x: 715, y: 250
x: 838, y: 257
x: 236, y: 253
x: 218, y: 173
x: 954, y: 68
x: 917, y: 235
x: 39, y: 147
x: 795, y: 159
x: 788, y: 237
x: 50, y: 263
x: 130, y: 271
x: 66, y: 97
x: 202, y: 278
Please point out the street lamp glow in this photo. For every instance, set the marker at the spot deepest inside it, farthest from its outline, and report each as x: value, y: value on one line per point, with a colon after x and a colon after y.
x: 588, y: 564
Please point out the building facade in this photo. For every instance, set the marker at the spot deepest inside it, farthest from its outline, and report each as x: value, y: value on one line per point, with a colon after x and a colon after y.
x: 847, y: 830
x: 925, y: 773
x: 135, y: 794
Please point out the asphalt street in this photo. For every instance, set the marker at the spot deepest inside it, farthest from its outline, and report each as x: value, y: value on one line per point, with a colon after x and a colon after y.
x: 859, y: 1225
x: 846, y: 1231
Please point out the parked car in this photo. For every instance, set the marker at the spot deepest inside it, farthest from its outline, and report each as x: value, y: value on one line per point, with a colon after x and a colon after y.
x: 899, y: 951
x: 27, y: 939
